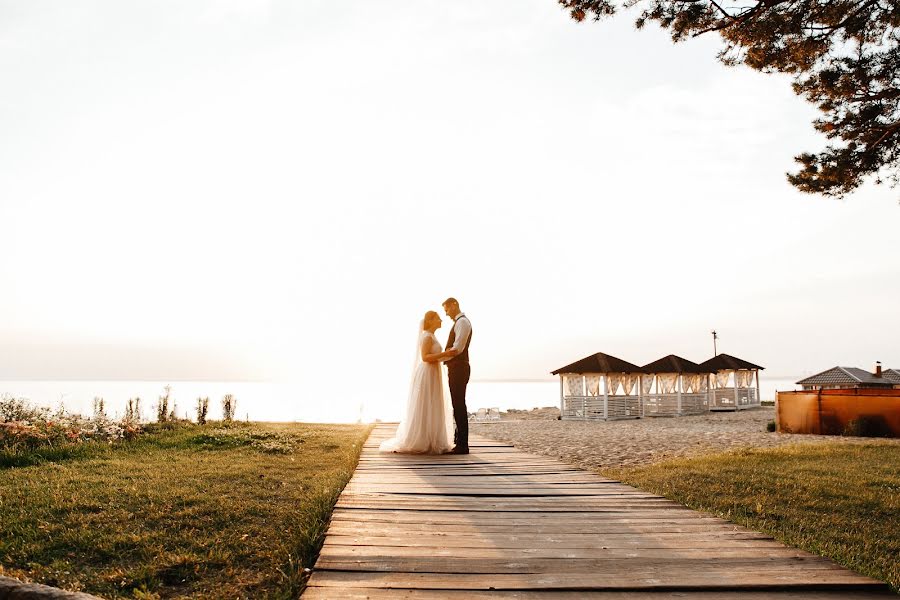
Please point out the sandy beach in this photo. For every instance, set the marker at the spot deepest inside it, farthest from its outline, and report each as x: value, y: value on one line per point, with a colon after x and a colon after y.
x: 599, y: 444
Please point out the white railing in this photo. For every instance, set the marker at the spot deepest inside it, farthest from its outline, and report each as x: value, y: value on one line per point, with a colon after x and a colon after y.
x: 573, y: 408
x: 694, y: 403
x: 666, y: 405
x: 660, y: 405
x: 597, y: 408
x: 655, y: 405
x: 723, y: 398
x: 624, y: 407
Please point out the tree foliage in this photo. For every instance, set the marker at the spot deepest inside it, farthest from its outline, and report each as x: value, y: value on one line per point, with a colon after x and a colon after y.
x: 843, y: 55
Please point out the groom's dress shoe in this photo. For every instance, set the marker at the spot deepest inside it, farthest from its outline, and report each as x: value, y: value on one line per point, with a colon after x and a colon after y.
x: 458, y: 450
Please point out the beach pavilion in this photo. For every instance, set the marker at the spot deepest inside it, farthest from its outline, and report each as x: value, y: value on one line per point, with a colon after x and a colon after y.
x: 674, y: 386
x: 601, y: 387
x: 734, y: 383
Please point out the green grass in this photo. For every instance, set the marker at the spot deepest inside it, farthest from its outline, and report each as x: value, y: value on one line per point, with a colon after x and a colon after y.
x: 837, y: 500
x: 183, y: 511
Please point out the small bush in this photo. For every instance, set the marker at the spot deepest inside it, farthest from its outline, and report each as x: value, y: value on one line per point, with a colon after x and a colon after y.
x: 99, y: 409
x: 202, y: 409
x: 18, y: 409
x: 180, y: 425
x: 229, y: 405
x: 868, y: 426
x: 162, y: 408
x: 770, y: 426
x: 234, y: 437
x: 133, y: 410
x: 25, y: 428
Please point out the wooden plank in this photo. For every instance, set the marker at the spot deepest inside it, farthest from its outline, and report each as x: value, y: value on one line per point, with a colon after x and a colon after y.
x: 565, y: 553
x: 649, y: 580
x: 526, y: 535
x: 480, y: 477
x: 396, y: 484
x: 495, y: 492
x: 512, y: 504
x: 517, y: 518
x: 408, y: 594
x: 564, y: 541
x: 607, y: 568
x: 409, y: 496
x: 500, y: 523
x: 595, y: 529
x: 489, y: 483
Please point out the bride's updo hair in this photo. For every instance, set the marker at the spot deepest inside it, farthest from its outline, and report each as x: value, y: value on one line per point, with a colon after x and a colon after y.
x: 428, y: 317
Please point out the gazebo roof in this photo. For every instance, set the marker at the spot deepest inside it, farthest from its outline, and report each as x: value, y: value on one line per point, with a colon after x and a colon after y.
x: 726, y: 362
x: 845, y: 376
x: 600, y: 363
x: 673, y: 364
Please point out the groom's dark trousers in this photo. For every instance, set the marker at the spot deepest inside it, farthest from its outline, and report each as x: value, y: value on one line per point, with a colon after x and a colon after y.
x: 458, y: 378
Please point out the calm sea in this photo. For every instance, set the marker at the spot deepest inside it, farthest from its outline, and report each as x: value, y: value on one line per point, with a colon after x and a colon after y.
x: 287, y: 402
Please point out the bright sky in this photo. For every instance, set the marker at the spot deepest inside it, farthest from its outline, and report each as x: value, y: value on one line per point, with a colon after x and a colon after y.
x: 279, y: 189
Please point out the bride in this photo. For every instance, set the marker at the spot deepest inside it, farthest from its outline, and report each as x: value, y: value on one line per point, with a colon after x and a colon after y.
x: 427, y: 427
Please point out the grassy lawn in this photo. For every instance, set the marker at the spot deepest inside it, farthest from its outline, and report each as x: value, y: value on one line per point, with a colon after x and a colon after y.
x: 184, y: 511
x: 838, y: 500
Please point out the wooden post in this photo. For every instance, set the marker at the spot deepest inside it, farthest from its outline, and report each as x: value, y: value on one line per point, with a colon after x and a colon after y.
x: 678, y: 410
x: 710, y: 396
x: 641, y: 393
x: 606, y: 397
x: 758, y: 397
x: 584, y: 402
x: 736, y: 406
x: 562, y: 397
x: 714, y: 388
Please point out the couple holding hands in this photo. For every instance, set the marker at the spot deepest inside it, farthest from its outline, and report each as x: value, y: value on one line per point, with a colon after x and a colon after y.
x: 428, y: 427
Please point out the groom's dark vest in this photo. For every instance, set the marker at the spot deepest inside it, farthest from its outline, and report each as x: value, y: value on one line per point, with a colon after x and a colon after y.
x: 462, y: 357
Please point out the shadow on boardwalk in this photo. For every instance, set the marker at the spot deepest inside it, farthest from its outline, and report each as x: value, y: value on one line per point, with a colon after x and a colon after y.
x: 502, y: 523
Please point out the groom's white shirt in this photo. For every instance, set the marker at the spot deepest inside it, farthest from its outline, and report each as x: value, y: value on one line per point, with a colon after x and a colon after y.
x: 463, y: 330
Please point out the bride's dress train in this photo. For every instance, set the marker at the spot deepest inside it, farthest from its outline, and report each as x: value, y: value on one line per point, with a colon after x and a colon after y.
x: 427, y: 427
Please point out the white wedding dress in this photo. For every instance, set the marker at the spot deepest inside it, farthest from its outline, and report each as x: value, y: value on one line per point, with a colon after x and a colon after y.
x: 427, y: 427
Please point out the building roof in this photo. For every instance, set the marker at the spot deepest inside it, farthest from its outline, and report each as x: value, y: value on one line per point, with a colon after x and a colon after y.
x: 892, y: 375
x: 673, y: 364
x: 845, y: 376
x: 726, y: 362
x: 600, y: 363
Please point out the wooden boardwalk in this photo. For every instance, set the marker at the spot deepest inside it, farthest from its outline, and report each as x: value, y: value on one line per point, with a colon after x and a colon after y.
x: 502, y: 523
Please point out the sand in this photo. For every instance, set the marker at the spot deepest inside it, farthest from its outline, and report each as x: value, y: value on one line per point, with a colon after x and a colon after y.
x: 600, y: 444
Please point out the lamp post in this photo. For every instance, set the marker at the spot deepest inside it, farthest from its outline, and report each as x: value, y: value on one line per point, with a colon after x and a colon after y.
x: 715, y: 337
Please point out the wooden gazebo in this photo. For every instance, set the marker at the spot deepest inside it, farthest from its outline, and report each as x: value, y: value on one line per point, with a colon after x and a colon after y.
x: 601, y: 387
x: 675, y: 386
x: 734, y: 383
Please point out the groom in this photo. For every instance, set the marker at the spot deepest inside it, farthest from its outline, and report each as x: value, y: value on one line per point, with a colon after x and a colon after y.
x: 458, y: 372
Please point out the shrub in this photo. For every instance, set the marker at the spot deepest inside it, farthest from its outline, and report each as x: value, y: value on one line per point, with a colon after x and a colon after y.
x: 18, y: 409
x: 133, y: 410
x: 99, y: 409
x: 229, y: 404
x: 202, y: 409
x: 868, y: 426
x: 269, y: 442
x: 770, y: 426
x: 41, y: 429
x: 162, y: 408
